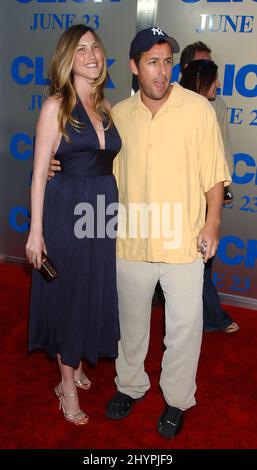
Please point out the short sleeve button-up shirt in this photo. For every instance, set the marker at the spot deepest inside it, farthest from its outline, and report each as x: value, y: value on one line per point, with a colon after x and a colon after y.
x: 166, y: 165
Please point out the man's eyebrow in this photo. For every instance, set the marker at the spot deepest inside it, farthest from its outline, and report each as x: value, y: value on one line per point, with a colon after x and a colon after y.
x: 157, y: 58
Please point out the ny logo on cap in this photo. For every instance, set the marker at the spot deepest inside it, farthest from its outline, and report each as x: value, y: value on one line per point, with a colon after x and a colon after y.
x: 157, y: 31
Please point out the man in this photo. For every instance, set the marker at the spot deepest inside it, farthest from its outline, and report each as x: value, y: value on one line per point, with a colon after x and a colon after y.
x: 214, y: 317
x: 199, y: 50
x: 172, y: 156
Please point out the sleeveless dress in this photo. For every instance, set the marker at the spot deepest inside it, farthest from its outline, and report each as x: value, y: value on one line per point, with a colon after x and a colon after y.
x: 76, y: 315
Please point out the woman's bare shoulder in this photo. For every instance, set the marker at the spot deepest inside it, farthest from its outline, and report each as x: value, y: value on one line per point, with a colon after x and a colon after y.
x: 52, y: 103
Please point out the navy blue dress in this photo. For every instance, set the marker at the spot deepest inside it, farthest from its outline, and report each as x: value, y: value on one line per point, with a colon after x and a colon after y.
x: 76, y: 315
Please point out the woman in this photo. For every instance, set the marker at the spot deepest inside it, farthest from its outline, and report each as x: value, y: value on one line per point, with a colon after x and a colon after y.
x: 201, y: 76
x: 76, y: 315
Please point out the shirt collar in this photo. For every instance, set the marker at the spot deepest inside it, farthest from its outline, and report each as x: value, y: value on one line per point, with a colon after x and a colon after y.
x: 175, y: 99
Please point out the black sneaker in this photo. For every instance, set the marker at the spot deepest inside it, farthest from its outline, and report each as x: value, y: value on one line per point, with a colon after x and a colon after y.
x: 170, y: 422
x: 120, y: 405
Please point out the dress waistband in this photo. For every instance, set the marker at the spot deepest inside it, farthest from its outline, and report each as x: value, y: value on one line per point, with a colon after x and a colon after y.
x: 91, y: 164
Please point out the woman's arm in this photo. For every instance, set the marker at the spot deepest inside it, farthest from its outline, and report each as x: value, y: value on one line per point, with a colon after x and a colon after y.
x: 46, y: 136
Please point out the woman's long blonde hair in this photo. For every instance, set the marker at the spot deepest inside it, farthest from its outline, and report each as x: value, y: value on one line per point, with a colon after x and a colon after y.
x: 62, y: 80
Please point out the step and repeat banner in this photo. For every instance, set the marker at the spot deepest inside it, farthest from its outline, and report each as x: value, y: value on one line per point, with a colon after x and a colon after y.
x: 29, y: 32
x: 229, y: 28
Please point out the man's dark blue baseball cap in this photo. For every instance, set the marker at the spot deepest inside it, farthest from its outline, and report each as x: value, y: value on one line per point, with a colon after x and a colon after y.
x: 146, y: 38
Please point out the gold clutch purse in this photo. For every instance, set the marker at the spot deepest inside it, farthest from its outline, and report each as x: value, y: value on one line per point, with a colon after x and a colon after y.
x: 48, y: 270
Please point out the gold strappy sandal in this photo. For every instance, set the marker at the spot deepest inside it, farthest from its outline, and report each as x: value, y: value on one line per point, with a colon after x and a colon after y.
x: 72, y: 417
x: 83, y: 382
x: 232, y: 328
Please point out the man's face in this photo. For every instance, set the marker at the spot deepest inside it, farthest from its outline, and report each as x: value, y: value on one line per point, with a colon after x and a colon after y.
x: 154, y: 71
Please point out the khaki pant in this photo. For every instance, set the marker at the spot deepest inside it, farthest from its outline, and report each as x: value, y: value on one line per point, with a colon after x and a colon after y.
x: 182, y: 288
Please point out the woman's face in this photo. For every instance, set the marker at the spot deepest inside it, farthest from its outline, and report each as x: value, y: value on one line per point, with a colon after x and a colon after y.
x: 211, y: 95
x: 89, y: 58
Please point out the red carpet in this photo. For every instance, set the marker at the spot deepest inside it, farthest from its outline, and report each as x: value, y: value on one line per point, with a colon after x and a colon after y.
x: 225, y: 416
